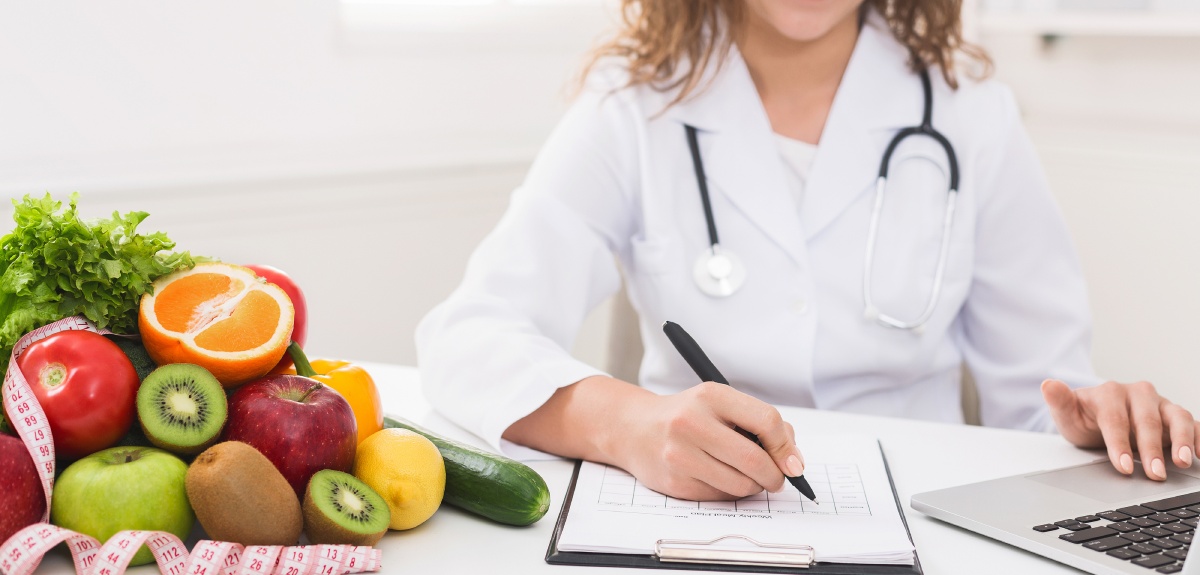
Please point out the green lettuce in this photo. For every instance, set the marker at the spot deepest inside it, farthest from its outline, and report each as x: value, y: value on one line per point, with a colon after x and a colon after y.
x: 55, y: 265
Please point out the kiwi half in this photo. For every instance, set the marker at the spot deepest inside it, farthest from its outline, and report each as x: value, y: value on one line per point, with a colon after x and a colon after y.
x: 339, y: 509
x: 182, y: 408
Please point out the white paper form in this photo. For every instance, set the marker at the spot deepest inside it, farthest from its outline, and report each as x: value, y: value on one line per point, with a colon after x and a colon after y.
x: 857, y: 520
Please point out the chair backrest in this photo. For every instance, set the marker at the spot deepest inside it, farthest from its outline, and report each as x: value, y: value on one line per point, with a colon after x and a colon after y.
x: 625, y: 349
x: 624, y: 356
x: 970, y: 398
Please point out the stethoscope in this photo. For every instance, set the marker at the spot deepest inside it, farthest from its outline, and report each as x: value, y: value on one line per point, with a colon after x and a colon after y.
x: 720, y: 273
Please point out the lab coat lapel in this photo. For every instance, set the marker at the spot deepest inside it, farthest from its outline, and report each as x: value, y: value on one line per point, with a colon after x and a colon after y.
x: 878, y: 94
x: 741, y: 160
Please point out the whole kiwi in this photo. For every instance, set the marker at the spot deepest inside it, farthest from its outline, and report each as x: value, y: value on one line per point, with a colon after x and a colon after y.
x: 239, y: 496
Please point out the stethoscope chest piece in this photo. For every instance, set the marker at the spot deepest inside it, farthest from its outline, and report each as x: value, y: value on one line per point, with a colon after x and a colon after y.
x: 719, y: 273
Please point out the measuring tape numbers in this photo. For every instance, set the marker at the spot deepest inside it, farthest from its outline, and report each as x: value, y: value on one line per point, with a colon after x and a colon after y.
x: 23, y: 552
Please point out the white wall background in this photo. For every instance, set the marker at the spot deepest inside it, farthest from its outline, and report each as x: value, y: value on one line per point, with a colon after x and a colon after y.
x: 367, y: 149
x: 364, y: 149
x: 1118, y: 130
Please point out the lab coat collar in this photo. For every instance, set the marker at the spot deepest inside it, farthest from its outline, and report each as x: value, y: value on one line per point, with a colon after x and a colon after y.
x: 878, y: 94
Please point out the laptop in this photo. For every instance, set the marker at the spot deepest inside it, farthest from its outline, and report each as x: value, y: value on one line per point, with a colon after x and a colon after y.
x: 1087, y: 516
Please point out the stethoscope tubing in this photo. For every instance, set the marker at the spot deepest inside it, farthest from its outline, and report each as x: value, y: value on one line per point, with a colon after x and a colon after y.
x: 870, y: 310
x: 725, y: 283
x: 702, y: 181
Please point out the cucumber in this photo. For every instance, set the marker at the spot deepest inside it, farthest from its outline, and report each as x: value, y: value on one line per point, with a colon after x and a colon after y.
x: 487, y: 484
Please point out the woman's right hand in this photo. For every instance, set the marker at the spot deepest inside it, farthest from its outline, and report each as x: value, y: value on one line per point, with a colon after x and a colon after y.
x: 685, y: 445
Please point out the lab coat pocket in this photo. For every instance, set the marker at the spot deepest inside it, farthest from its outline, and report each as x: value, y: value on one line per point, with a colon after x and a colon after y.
x: 655, y: 277
x: 652, y: 256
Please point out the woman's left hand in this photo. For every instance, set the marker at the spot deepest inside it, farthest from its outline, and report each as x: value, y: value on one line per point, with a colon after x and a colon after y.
x: 1116, y: 415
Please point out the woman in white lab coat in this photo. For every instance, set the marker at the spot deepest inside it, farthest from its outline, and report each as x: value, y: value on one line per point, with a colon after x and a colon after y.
x: 793, y: 105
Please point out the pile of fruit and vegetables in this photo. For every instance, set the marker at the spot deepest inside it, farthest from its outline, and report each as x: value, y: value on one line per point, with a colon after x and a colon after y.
x: 201, y: 407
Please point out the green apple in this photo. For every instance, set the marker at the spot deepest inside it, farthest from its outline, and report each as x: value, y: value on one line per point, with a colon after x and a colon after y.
x: 124, y: 488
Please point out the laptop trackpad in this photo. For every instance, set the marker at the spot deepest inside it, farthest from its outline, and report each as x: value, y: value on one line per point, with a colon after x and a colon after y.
x: 1107, y: 485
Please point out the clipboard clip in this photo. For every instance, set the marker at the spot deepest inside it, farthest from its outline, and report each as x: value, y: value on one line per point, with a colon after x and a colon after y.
x: 766, y: 554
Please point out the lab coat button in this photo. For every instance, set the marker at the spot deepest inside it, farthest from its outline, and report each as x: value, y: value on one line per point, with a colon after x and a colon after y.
x: 801, y: 306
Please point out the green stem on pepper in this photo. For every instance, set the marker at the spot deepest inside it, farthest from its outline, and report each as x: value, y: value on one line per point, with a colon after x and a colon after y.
x: 303, y: 367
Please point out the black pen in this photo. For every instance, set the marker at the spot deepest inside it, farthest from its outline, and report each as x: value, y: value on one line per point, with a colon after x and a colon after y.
x: 695, y: 357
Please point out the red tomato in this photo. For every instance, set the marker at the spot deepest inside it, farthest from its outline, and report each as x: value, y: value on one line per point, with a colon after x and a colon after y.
x: 87, y: 387
x: 300, y: 327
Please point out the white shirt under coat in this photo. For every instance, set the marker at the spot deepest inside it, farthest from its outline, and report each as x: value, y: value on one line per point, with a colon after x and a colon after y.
x: 616, y: 179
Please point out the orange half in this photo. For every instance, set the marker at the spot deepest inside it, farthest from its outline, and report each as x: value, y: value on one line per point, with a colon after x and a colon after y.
x: 218, y: 316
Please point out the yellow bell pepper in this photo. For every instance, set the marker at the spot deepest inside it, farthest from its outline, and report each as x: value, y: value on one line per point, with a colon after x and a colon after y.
x: 352, y: 381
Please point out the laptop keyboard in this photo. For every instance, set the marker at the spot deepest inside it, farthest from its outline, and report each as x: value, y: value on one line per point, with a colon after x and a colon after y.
x: 1155, y: 535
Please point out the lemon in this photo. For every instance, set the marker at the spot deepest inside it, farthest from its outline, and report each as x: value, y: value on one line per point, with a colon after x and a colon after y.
x: 407, y: 470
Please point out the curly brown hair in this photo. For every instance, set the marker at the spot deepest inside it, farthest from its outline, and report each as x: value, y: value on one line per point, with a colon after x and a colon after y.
x: 668, y: 44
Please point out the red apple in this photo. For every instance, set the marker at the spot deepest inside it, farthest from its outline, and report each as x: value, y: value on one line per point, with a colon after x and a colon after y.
x: 300, y: 325
x: 288, y: 285
x: 22, y: 501
x: 300, y: 424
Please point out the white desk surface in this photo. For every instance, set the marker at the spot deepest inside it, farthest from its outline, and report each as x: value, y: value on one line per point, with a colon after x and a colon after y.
x: 922, y: 457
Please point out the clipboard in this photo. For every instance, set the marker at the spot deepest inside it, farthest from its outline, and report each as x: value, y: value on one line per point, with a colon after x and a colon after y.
x: 690, y: 555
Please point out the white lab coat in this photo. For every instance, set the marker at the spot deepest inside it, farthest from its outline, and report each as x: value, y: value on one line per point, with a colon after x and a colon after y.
x: 615, y: 179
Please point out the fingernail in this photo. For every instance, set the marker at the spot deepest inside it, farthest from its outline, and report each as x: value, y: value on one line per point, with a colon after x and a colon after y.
x: 794, y: 467
x: 1126, y: 463
x: 1185, y: 455
x: 1156, y: 467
